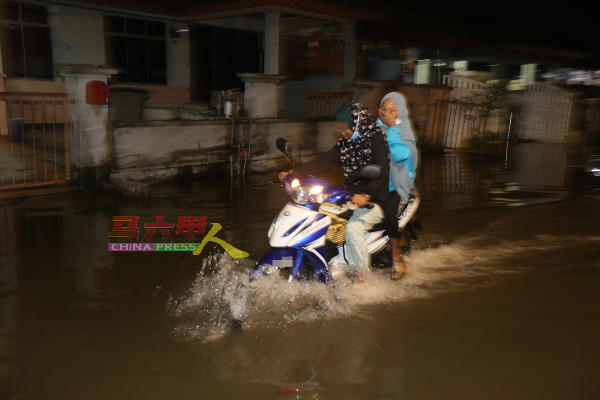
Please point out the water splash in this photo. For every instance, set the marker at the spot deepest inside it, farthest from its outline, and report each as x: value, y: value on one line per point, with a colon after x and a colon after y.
x: 223, y: 291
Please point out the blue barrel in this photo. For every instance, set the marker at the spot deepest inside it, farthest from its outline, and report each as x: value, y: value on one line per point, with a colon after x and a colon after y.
x: 16, y: 132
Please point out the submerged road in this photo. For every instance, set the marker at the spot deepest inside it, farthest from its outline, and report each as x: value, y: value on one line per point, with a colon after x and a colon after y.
x: 500, y: 300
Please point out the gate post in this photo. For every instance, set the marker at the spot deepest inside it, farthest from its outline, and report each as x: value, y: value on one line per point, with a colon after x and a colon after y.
x: 88, y: 123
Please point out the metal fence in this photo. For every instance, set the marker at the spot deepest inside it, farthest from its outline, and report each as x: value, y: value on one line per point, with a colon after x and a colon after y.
x: 324, y: 104
x: 461, y: 82
x: 546, y: 113
x: 34, y: 140
x: 455, y: 121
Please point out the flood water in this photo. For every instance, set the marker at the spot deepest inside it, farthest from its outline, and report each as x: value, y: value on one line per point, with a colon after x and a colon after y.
x: 501, y: 298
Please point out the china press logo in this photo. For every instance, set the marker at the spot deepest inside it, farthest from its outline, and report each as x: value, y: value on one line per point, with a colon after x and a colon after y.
x: 126, y: 227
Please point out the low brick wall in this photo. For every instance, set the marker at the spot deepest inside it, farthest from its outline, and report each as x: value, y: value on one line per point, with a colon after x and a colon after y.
x: 165, y: 149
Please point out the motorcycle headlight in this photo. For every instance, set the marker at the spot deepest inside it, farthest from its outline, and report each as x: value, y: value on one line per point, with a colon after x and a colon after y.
x: 289, y: 186
x: 308, y: 194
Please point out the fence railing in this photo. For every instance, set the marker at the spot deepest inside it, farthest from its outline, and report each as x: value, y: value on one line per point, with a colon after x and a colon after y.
x: 454, y: 121
x: 324, y: 104
x: 34, y: 139
x: 460, y: 82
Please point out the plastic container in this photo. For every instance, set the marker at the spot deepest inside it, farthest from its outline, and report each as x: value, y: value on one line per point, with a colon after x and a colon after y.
x: 125, y: 104
x: 198, y: 105
x: 155, y: 112
x: 194, y: 115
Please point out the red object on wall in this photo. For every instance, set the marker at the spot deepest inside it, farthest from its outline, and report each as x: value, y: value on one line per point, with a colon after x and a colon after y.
x: 96, y: 92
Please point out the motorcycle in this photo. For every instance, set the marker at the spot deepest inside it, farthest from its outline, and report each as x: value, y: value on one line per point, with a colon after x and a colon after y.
x: 308, y: 242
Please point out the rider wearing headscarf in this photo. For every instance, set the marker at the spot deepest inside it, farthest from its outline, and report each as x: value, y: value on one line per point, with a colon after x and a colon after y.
x: 403, y: 147
x: 367, y: 145
x: 362, y: 143
x: 393, y: 120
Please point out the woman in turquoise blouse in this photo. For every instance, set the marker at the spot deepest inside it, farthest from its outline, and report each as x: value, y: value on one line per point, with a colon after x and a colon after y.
x: 394, y: 121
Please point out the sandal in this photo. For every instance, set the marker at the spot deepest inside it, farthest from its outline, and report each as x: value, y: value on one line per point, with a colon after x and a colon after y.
x: 397, y: 269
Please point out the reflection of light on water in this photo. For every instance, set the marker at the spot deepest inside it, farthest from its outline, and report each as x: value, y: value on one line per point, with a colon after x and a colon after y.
x: 535, y: 173
x: 223, y: 291
x: 451, y: 181
x: 539, y: 170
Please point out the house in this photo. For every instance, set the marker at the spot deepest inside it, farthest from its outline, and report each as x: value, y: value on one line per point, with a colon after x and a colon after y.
x: 284, y: 55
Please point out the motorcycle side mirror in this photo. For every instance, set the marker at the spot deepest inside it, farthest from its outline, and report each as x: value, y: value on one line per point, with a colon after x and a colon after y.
x: 370, y: 171
x: 283, y: 146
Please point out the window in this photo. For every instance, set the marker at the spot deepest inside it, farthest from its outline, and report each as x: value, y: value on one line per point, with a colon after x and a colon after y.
x: 218, y: 55
x: 25, y: 40
x: 137, y: 48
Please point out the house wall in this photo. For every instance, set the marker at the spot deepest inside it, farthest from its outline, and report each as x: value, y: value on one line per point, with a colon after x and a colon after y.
x: 241, y: 23
x: 293, y: 93
x: 77, y: 35
x: 78, y: 38
x: 160, y: 94
x: 34, y: 86
x: 178, y: 59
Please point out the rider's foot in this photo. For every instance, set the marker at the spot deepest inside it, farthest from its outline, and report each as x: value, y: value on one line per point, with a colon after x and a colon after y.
x: 397, y: 269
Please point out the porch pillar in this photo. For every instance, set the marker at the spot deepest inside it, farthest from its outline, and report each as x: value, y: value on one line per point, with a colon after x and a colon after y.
x: 271, y: 65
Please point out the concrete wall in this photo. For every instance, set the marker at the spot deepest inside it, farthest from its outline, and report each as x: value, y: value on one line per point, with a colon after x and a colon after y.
x: 164, y: 149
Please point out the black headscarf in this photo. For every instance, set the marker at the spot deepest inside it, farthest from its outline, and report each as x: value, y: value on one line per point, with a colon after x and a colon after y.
x: 357, y: 152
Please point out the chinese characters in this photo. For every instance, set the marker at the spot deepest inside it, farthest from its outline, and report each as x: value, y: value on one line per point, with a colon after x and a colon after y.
x: 127, y: 227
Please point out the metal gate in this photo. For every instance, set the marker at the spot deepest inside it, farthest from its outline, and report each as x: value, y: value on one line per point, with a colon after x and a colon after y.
x: 546, y: 113
x: 455, y: 121
x: 34, y: 140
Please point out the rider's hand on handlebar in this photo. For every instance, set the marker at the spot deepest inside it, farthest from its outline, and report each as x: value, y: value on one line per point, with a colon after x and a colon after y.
x: 361, y: 199
x: 284, y: 174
